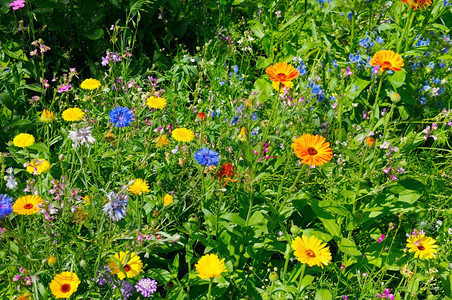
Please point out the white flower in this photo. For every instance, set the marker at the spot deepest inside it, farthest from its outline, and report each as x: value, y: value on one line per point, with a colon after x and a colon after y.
x: 82, y: 136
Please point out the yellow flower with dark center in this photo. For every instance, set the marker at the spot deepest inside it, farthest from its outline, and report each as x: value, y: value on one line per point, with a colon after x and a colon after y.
x: 422, y: 246
x: 51, y: 260
x: 282, y: 72
x: 156, y: 102
x: 125, y: 264
x: 38, y: 166
x: 312, y: 150
x: 168, y: 199
x: 415, y: 4
x: 73, y: 114
x: 281, y: 86
x: 162, y: 141
x: 210, y: 266
x: 311, y: 251
x: 387, y: 59
x: 27, y: 205
x: 47, y: 116
x: 23, y: 140
x: 139, y: 187
x: 183, y: 135
x: 90, y: 84
x: 64, y: 284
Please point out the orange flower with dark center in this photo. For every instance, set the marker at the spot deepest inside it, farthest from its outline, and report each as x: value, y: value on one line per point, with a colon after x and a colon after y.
x: 282, y: 72
x: 312, y: 150
x: 387, y: 59
x: 370, y: 141
x: 415, y: 4
x: 201, y: 115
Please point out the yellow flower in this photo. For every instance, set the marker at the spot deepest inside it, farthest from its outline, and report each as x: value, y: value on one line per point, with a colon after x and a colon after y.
x: 38, y: 166
x: 64, y: 284
x: 387, y: 59
x: 168, y: 199
x: 183, y: 135
x: 23, y: 140
x: 312, y: 150
x: 47, y: 116
x: 422, y: 246
x: 90, y: 84
x: 27, y: 205
x: 139, y: 187
x: 86, y: 200
x: 210, y: 266
x: 284, y: 85
x: 242, y: 135
x: 162, y: 141
x: 282, y: 72
x: 125, y: 264
x: 156, y: 102
x: 73, y: 114
x: 51, y: 260
x: 311, y: 251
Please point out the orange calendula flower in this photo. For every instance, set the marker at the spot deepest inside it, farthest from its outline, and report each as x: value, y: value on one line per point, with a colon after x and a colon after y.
x: 387, y: 59
x: 312, y: 150
x: 370, y: 141
x: 282, y: 72
x: 415, y: 4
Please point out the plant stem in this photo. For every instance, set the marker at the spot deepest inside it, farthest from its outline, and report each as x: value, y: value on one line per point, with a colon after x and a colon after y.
x: 374, y: 108
x: 300, y: 281
x: 405, y: 31
x: 291, y: 188
x: 210, y: 289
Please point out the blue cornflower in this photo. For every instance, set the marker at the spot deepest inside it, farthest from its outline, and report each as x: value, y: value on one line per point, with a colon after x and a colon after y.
x: 116, y: 207
x: 255, y: 117
x: 235, y: 68
x: 426, y: 87
x: 207, y: 157
x: 431, y: 65
x: 121, y: 116
x: 235, y: 120
x: 5, y: 205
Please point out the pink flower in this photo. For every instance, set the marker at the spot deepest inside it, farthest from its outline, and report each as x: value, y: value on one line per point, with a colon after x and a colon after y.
x: 381, y: 238
x: 349, y: 72
x: 64, y: 88
x: 17, y: 4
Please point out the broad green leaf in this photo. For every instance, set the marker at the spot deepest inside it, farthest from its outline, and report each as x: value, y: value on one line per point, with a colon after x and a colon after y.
x: 397, y: 79
x: 234, y: 218
x: 349, y: 247
x: 356, y: 88
x: 323, y: 295
x: 257, y: 29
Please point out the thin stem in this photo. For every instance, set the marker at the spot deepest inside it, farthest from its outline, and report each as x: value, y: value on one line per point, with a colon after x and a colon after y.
x: 291, y: 188
x: 301, y: 280
x: 405, y: 30
x: 374, y: 108
x: 210, y: 289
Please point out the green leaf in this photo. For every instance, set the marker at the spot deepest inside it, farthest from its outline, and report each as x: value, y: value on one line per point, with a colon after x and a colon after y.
x: 397, y: 79
x: 292, y: 20
x: 94, y: 34
x: 323, y: 295
x: 356, y: 88
x: 349, y: 247
x: 234, y: 218
x: 257, y: 29
x: 328, y: 220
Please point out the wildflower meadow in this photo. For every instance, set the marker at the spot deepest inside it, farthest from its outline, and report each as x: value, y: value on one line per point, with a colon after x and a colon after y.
x: 230, y: 149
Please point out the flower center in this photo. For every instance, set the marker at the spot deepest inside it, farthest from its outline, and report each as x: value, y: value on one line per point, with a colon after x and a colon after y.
x: 310, y: 253
x: 312, y: 151
x: 281, y: 76
x: 386, y: 64
x: 28, y: 206
x: 421, y: 248
x: 127, y: 268
x: 65, y: 288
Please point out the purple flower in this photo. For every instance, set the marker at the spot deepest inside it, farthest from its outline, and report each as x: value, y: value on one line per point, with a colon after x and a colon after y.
x: 64, y: 88
x: 146, y: 286
x: 349, y: 72
x: 17, y: 4
x: 381, y: 238
x: 207, y: 157
x: 5, y: 205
